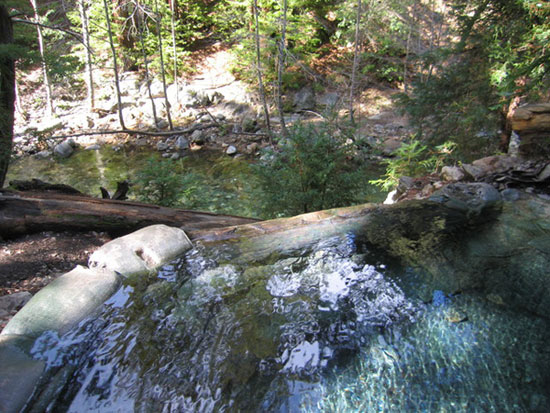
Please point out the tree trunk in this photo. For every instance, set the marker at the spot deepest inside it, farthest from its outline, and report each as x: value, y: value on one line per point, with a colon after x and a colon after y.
x: 280, y: 69
x: 83, y: 9
x: 49, y: 102
x: 355, y: 62
x: 115, y: 64
x: 7, y: 93
x: 162, y: 70
x: 141, y: 25
x: 23, y: 212
x: 174, y: 45
x: 259, y: 67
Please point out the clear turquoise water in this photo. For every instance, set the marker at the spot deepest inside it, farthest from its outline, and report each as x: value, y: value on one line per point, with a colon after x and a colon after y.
x: 330, y: 329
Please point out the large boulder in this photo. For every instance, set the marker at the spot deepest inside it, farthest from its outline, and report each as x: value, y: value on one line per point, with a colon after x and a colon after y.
x: 19, y: 375
x: 64, y: 302
x: 142, y: 251
x: 532, y: 124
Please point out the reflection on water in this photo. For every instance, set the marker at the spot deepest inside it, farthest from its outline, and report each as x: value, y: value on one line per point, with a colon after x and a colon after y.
x: 323, y: 331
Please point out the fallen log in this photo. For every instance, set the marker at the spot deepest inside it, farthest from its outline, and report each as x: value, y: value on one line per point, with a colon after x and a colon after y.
x: 27, y: 212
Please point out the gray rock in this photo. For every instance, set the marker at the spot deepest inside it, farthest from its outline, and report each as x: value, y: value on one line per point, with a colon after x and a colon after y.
x: 510, y: 195
x: 94, y: 147
x: 452, y: 173
x: 473, y: 172
x: 231, y: 150
x: 142, y: 141
x: 544, y: 174
x: 166, y: 155
x: 64, y: 302
x: 19, y: 373
x: 304, y: 99
x: 63, y: 149
x: 162, y: 146
x: 175, y: 156
x: 162, y: 124
x: 14, y: 301
x: 197, y: 137
x: 405, y: 183
x: 43, y: 154
x: 473, y: 199
x: 329, y: 99
x: 141, y: 251
x: 182, y: 143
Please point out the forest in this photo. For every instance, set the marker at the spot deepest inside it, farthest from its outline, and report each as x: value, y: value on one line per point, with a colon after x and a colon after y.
x: 456, y: 69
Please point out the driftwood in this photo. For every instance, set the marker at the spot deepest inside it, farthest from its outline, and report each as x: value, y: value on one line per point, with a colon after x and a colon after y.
x: 28, y: 212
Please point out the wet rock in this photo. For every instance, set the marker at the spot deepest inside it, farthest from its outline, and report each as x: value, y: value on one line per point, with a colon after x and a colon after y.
x: 141, y: 251
x: 64, y: 302
x: 63, y: 149
x: 474, y: 199
x: 231, y: 150
x: 19, y: 375
x: 452, y: 173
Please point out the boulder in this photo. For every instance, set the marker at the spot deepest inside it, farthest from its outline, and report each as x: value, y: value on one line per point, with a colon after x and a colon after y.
x: 533, y: 117
x: 304, y: 99
x: 452, y: 173
x: 142, y: 251
x: 63, y: 149
x: 64, y: 302
x: 182, y: 143
x: 13, y: 302
x: 20, y: 373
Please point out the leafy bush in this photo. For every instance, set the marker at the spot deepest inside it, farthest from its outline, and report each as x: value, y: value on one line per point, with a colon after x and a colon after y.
x: 414, y: 159
x: 311, y: 170
x: 161, y: 183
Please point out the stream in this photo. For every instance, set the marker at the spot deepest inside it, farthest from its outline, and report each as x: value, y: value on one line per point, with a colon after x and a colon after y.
x: 335, y: 327
x: 219, y: 183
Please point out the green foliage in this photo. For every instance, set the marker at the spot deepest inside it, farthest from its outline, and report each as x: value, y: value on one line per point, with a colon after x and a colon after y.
x: 414, y: 159
x: 310, y: 171
x: 161, y: 182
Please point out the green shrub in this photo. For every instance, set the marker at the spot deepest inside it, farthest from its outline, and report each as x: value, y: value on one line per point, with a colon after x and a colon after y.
x: 414, y: 159
x: 311, y: 170
x: 162, y: 182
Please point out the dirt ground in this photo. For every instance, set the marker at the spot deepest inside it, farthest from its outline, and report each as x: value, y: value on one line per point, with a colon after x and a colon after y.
x: 30, y: 262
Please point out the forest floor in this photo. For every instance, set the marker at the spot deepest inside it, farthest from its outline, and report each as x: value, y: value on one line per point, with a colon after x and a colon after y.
x: 29, y: 263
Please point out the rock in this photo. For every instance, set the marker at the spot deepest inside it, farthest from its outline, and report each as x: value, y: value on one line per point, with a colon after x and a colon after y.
x: 166, y: 155
x: 43, y: 154
x: 19, y: 375
x: 64, y: 302
x: 94, y: 147
x: 63, y: 149
x: 329, y: 99
x: 182, y: 143
x: 473, y: 172
x: 544, y: 174
x: 405, y: 183
x: 141, y: 251
x: 452, y: 173
x: 15, y: 301
x: 475, y: 200
x: 231, y: 150
x: 162, y: 146
x: 141, y: 141
x: 390, y: 145
x: 197, y: 137
x: 252, y: 148
x: 304, y: 99
x: 532, y: 117
x: 175, y: 156
x: 510, y: 195
x: 162, y: 124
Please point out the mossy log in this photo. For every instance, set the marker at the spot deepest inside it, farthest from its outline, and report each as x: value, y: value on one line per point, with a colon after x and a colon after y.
x: 27, y: 212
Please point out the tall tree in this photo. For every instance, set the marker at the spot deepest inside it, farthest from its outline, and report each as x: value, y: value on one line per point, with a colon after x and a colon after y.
x: 259, y: 65
x: 7, y: 91
x: 115, y: 63
x: 281, y: 66
x: 355, y: 61
x: 88, y: 76
x: 47, y: 84
x: 158, y: 19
